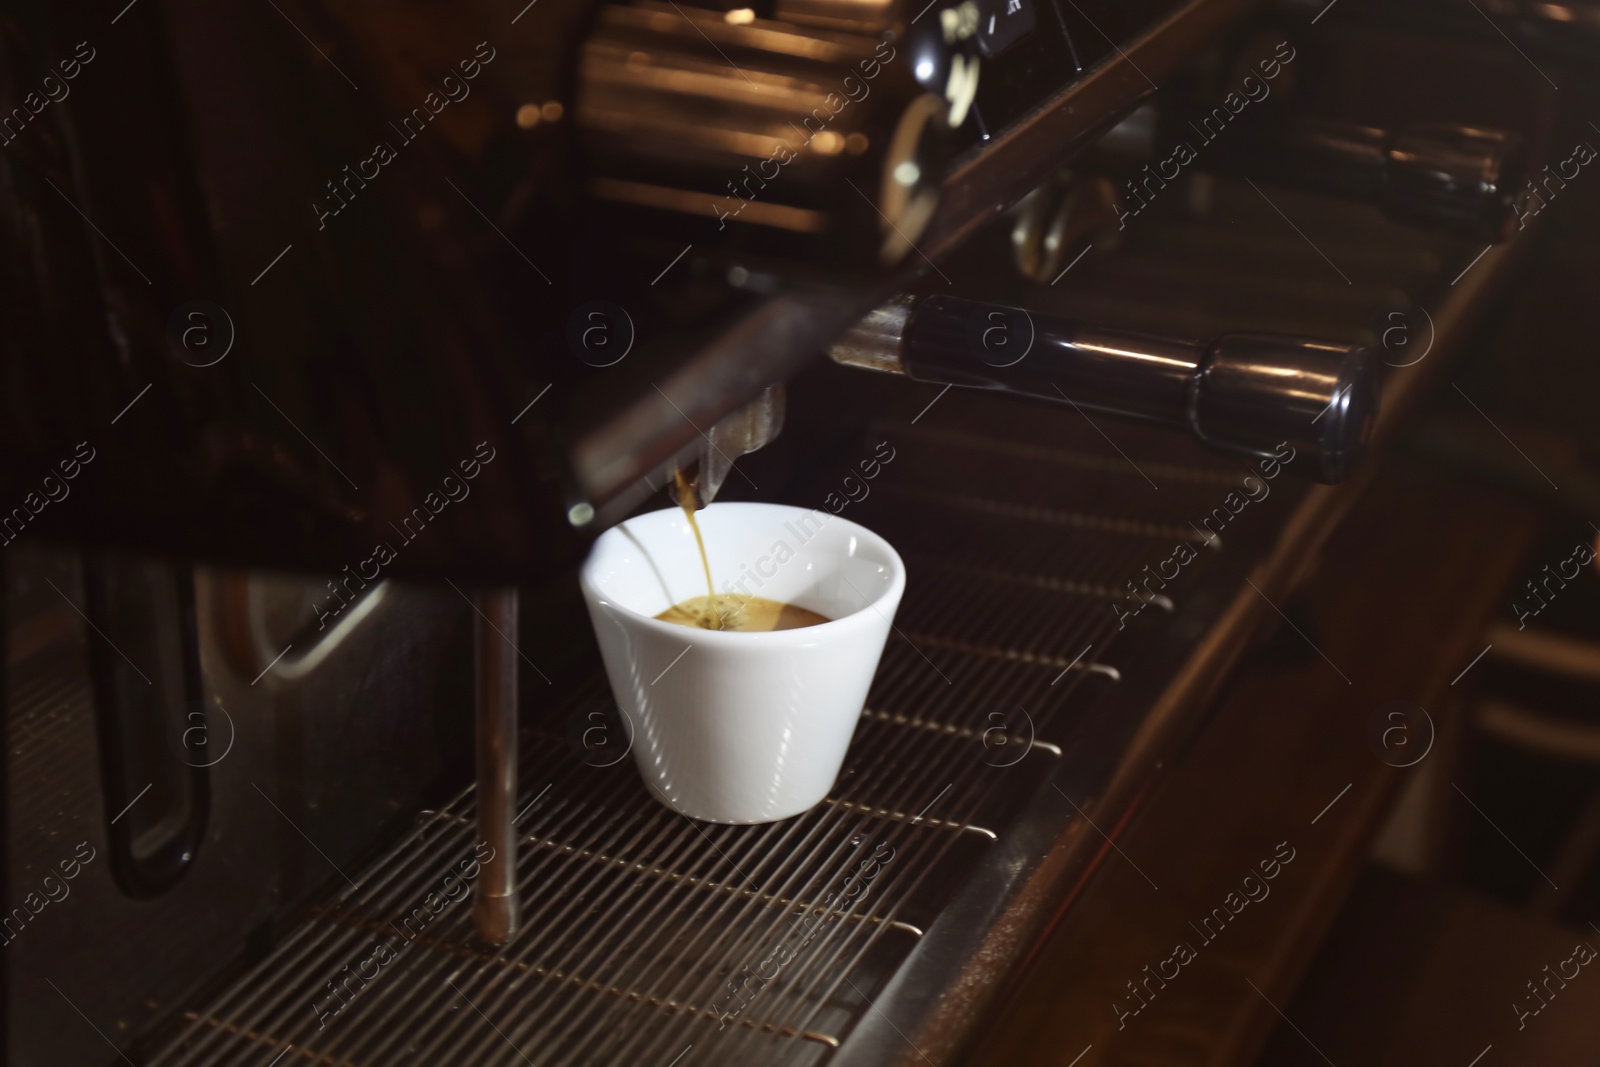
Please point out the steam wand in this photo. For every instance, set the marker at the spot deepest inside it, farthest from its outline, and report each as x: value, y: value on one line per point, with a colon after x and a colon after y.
x: 1238, y: 392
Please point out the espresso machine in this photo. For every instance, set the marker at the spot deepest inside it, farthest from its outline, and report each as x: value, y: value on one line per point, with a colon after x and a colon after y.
x: 355, y: 323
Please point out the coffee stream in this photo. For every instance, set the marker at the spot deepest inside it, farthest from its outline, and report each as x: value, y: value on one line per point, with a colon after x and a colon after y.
x: 729, y: 611
x: 687, y: 499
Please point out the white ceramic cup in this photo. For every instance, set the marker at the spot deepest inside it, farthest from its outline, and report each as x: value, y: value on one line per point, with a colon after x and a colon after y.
x: 742, y: 727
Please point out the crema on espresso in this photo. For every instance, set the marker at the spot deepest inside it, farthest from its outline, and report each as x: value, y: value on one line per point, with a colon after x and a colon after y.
x: 729, y: 611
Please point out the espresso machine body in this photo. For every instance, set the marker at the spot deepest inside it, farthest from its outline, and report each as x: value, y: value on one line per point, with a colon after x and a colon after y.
x: 327, y: 325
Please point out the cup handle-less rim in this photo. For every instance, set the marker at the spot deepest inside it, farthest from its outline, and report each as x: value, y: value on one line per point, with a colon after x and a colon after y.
x: 887, y: 593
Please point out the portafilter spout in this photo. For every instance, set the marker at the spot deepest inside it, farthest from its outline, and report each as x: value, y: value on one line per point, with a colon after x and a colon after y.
x: 745, y: 430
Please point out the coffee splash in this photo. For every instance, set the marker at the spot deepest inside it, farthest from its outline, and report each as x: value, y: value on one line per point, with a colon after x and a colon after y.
x: 738, y: 612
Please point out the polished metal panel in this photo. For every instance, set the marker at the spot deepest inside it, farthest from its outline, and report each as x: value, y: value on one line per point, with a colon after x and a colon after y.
x: 305, y: 773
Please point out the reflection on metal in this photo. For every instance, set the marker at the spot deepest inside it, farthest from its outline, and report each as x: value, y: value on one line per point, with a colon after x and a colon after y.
x: 1015, y: 655
x: 907, y: 817
x: 1040, y: 581
x: 767, y: 139
x: 962, y: 732
x: 642, y: 194
x: 494, y: 639
x: 908, y: 206
x: 1060, y: 219
x: 1530, y: 730
x: 874, y: 342
x: 1553, y: 652
x: 257, y: 615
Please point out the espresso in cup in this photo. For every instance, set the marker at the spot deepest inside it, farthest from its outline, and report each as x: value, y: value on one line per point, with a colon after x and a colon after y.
x: 739, y: 612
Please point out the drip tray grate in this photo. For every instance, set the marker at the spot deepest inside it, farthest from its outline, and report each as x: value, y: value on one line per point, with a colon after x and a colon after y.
x: 645, y: 935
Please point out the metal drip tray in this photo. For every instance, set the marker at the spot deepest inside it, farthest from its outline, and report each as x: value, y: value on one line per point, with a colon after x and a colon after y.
x: 647, y: 937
